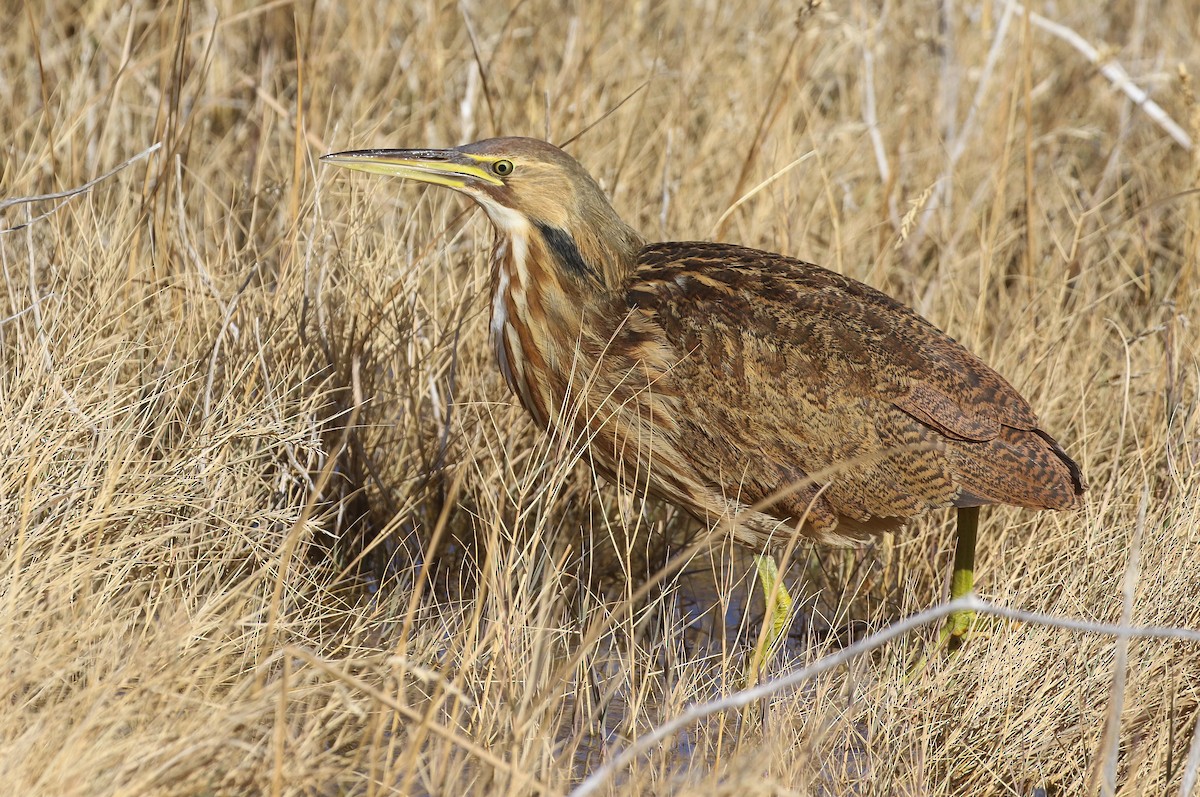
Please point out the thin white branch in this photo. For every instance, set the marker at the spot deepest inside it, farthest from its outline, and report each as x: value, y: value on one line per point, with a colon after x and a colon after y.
x: 985, y: 77
x: 72, y: 192
x: 746, y: 696
x: 871, y: 116
x: 1114, y: 72
x: 871, y: 119
x: 1111, y: 741
x: 28, y: 309
x: 967, y: 131
x: 1089, y: 627
x: 1110, y: 69
x: 1188, y: 786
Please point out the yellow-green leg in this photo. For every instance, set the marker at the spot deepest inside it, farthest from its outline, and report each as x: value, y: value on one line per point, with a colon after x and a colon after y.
x: 778, y: 617
x: 962, y: 580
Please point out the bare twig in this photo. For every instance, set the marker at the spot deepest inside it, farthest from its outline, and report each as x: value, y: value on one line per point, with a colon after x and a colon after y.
x: 871, y: 119
x: 967, y: 131
x: 1111, y: 741
x: 20, y: 313
x: 747, y: 696
x: 70, y: 193
x: 1090, y: 627
x: 1115, y: 73
x: 1188, y: 786
x: 1110, y: 69
x: 716, y: 228
x: 571, y: 139
x: 483, y: 70
x: 770, y: 108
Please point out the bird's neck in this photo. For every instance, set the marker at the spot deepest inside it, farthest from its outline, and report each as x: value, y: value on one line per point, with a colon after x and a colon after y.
x: 552, y: 291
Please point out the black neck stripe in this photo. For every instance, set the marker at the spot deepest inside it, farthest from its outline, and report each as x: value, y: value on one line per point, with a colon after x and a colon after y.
x: 562, y: 245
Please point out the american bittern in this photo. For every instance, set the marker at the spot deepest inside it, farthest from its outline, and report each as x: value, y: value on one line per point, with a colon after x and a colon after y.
x: 717, y: 376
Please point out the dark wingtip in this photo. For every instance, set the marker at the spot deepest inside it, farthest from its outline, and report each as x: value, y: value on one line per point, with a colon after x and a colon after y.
x: 1078, y: 482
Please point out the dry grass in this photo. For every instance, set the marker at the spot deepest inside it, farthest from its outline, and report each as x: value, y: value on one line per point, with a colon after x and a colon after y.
x: 244, y: 397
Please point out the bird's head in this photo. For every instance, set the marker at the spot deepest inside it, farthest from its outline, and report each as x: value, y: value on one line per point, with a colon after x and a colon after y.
x: 528, y: 188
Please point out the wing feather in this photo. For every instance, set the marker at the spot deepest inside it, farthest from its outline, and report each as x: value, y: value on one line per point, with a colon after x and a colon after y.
x: 786, y: 369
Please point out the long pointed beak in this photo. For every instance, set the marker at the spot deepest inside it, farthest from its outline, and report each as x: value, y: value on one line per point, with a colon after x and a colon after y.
x: 447, y: 167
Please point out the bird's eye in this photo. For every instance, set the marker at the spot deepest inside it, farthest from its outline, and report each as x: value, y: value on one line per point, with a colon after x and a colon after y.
x: 502, y: 168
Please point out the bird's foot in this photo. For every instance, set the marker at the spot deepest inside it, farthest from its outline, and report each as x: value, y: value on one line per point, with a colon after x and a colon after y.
x: 959, y: 629
x: 955, y: 631
x: 777, y: 620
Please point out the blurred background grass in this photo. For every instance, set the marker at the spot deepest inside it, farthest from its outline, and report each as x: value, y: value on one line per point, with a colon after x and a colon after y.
x: 271, y: 522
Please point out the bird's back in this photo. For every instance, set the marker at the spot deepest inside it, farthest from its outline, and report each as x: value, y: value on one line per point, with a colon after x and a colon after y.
x: 779, y: 374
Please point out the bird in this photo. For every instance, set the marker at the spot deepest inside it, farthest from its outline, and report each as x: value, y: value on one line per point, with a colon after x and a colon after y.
x: 746, y: 387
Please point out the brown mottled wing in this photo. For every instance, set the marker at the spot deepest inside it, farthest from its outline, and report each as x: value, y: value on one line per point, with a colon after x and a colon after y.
x: 786, y: 370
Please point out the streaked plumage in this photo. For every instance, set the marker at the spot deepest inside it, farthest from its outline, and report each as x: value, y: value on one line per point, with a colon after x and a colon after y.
x: 779, y: 369
x: 715, y: 375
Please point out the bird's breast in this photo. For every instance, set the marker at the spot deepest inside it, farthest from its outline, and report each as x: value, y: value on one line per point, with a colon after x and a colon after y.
x: 517, y: 350
x: 606, y: 388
